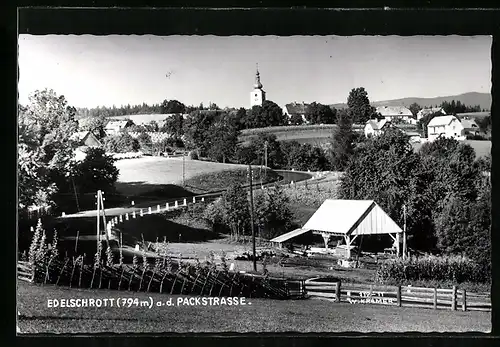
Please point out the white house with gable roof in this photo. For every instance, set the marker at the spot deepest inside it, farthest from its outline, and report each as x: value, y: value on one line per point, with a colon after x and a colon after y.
x: 445, y: 126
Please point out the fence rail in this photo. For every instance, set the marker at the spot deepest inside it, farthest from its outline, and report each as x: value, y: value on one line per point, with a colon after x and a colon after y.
x: 25, y: 271
x: 401, y: 296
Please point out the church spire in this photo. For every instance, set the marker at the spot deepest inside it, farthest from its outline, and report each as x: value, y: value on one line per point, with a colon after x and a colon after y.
x: 257, y: 84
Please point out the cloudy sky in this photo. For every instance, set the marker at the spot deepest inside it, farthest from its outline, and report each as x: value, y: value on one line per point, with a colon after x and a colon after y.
x: 116, y: 70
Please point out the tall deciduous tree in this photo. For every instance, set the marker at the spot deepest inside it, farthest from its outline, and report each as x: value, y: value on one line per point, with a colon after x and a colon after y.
x: 414, y: 108
x: 269, y: 114
x: 46, y: 126
x: 317, y: 113
x: 172, y: 106
x: 359, y: 106
x: 222, y: 140
x: 342, y: 142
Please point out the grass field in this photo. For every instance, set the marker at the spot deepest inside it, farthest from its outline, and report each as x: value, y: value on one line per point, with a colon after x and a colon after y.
x: 258, y: 315
x: 142, y: 174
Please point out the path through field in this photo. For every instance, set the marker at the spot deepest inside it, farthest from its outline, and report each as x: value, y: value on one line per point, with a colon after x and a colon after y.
x: 259, y: 315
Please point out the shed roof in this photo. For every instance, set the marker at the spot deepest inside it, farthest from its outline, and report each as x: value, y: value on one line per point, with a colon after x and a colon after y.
x: 351, y: 217
x: 425, y: 111
x: 469, y: 123
x: 289, y: 235
x: 441, y: 120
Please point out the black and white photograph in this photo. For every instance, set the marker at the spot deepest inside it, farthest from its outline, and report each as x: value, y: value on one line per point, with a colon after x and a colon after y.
x: 254, y: 184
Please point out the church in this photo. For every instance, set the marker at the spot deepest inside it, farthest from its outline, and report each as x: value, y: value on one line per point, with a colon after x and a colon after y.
x: 258, y: 95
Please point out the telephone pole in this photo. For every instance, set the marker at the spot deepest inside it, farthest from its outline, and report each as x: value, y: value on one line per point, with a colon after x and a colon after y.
x: 404, y: 232
x: 183, y: 168
x: 251, y: 217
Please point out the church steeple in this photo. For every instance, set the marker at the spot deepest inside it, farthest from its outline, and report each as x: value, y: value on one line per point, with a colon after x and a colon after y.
x: 257, y: 84
x: 258, y: 95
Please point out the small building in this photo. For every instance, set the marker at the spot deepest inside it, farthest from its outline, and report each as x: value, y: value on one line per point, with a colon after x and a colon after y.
x: 445, y: 126
x: 375, y: 128
x: 348, y: 219
x: 114, y: 127
x: 426, y: 111
x: 470, y: 126
x: 86, y: 138
x: 395, y: 113
x: 295, y: 108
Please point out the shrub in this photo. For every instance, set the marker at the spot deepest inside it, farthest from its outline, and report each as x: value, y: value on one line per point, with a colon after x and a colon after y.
x: 432, y: 268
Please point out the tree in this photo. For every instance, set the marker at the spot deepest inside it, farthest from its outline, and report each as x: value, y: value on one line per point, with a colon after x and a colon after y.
x: 172, y: 106
x: 296, y: 119
x: 45, y: 145
x: 96, y: 172
x: 145, y: 142
x: 174, y: 125
x: 95, y: 124
x: 317, y: 113
x: 359, y: 106
x: 342, y: 142
x: 240, y: 117
x: 121, y: 143
x: 274, y: 152
x: 273, y: 213
x: 222, y: 140
x: 196, y: 128
x: 414, y: 108
x: 484, y: 123
x: 269, y: 114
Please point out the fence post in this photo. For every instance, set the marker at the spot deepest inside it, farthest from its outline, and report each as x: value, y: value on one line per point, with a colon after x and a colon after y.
x: 454, y: 299
x: 435, y: 298
x: 176, y: 204
x: 149, y: 210
x: 194, y: 199
x: 158, y: 208
x: 185, y: 202
x: 126, y: 216
x: 141, y: 213
x: 464, y: 298
x: 133, y: 214
x: 166, y: 206
x: 121, y: 219
x: 202, y: 199
x: 337, y: 292
x: 398, y: 295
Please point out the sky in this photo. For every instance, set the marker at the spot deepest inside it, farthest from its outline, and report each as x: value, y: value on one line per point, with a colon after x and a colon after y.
x: 93, y: 71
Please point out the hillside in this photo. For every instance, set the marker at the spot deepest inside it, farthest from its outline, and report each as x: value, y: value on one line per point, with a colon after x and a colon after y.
x: 469, y: 99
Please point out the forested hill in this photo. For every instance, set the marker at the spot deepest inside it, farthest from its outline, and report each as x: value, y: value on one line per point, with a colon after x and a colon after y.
x: 469, y: 99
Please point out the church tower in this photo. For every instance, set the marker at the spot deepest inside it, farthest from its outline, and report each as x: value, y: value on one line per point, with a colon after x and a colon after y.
x: 258, y: 95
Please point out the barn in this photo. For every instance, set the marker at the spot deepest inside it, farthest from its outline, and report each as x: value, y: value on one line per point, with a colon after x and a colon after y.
x: 347, y: 219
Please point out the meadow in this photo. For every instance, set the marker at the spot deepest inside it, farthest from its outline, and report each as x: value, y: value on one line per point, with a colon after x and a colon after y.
x: 258, y: 315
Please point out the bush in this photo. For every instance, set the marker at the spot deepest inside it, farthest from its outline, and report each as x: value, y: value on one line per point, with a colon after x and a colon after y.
x: 193, y: 155
x: 454, y: 269
x: 477, y: 137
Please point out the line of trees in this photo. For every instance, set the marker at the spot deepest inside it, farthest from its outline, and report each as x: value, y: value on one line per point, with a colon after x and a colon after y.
x: 443, y: 187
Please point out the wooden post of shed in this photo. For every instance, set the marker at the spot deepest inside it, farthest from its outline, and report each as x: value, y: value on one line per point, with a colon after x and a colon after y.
x: 337, y: 291
x: 454, y: 298
x: 398, y: 295
x: 435, y: 298
x: 464, y: 300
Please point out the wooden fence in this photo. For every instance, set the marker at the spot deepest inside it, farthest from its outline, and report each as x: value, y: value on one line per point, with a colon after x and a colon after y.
x: 401, y: 296
x: 25, y: 271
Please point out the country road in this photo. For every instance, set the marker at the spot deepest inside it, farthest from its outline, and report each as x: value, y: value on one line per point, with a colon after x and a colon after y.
x: 116, y: 211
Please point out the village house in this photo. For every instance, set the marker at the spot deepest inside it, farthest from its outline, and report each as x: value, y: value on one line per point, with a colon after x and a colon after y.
x: 375, y: 128
x: 470, y: 126
x: 445, y: 126
x: 395, y: 113
x: 114, y: 127
x: 426, y: 111
x: 296, y: 108
x: 86, y: 138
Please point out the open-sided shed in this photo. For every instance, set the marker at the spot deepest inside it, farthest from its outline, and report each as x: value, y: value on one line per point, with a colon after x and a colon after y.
x: 349, y: 219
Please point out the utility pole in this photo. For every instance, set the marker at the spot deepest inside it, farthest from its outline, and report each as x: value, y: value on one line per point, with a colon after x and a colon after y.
x: 251, y: 216
x: 404, y: 232
x: 183, y: 168
x: 98, y: 196
x: 104, y: 219
x: 265, y: 158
